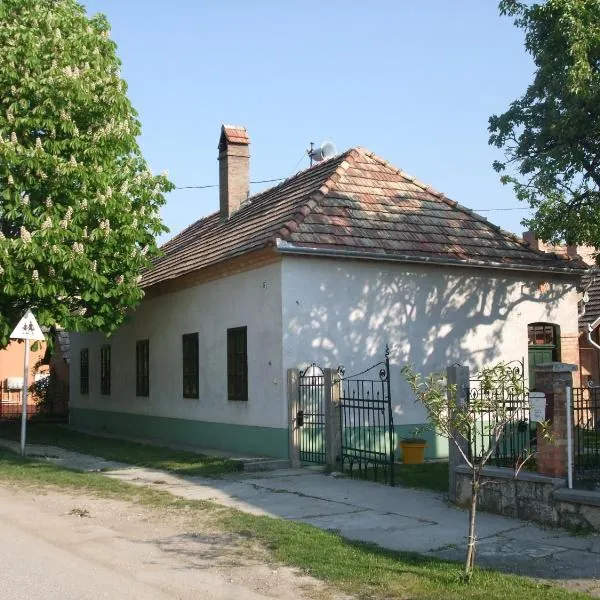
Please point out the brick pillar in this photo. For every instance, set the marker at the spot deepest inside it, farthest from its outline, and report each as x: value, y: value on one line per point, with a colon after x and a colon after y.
x: 569, y: 352
x: 553, y: 379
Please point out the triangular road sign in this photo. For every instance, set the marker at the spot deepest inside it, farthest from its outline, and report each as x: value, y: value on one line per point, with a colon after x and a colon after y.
x: 27, y: 329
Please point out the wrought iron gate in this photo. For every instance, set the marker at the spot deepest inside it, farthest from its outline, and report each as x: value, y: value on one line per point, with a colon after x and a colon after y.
x: 310, y: 418
x: 518, y: 437
x: 367, y: 424
x: 586, y: 436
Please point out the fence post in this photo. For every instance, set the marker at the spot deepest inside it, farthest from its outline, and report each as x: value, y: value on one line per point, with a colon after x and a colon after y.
x: 553, y: 379
x: 333, y: 427
x: 459, y: 377
x: 293, y: 391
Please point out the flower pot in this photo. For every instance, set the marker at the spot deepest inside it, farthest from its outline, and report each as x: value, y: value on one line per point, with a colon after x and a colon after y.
x: 413, y: 453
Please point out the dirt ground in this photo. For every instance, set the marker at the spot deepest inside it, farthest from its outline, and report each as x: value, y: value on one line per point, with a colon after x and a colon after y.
x: 164, y: 550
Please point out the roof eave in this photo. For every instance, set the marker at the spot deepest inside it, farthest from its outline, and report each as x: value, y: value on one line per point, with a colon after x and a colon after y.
x: 288, y: 248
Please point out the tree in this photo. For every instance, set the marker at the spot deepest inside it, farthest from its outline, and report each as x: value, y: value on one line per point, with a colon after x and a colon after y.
x: 551, y: 135
x: 501, y: 401
x: 78, y: 204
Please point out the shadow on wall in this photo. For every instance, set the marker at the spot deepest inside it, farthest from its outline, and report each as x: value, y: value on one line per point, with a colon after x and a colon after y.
x: 345, y: 312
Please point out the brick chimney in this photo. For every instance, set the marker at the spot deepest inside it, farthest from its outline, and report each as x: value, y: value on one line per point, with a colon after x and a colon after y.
x: 530, y: 238
x: 234, y: 169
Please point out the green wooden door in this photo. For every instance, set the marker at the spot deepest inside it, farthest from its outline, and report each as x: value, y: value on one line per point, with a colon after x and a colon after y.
x: 541, y: 353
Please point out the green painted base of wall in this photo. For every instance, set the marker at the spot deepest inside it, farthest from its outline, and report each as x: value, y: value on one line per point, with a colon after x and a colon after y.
x: 255, y: 441
x: 437, y: 446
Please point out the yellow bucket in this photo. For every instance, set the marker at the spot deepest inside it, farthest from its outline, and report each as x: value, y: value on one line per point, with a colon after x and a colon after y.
x: 413, y: 453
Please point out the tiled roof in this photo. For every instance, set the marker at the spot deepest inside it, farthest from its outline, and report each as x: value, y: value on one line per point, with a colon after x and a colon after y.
x: 235, y: 134
x: 354, y: 202
x: 63, y: 340
x: 591, y: 283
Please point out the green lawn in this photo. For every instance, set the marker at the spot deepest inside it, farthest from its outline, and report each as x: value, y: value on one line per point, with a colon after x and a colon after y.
x: 429, y: 476
x: 135, y: 453
x: 362, y: 570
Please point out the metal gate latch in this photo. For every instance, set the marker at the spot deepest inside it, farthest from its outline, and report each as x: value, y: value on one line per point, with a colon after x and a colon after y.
x: 300, y: 418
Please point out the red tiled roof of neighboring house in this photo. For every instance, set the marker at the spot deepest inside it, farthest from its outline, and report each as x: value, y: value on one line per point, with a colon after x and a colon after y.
x: 355, y: 203
x: 591, y: 283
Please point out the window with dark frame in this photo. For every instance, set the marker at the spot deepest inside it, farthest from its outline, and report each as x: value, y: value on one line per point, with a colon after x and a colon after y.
x: 190, y: 365
x: 237, y: 363
x: 541, y: 334
x: 142, y: 368
x: 84, y: 371
x: 105, y: 370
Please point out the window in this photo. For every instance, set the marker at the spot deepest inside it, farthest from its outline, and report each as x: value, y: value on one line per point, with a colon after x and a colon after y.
x: 541, y: 334
x: 544, y: 346
x: 190, y: 365
x: 142, y: 368
x: 237, y: 364
x: 105, y: 370
x: 84, y: 371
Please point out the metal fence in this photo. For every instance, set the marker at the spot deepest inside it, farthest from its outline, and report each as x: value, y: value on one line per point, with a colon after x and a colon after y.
x: 50, y: 404
x: 367, y: 448
x: 586, y: 436
x: 517, y: 438
x: 311, y: 415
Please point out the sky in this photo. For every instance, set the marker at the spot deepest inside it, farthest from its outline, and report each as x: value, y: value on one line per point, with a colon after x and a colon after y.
x: 414, y: 82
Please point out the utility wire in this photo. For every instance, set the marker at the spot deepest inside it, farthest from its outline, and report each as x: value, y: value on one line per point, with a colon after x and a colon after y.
x: 214, y: 185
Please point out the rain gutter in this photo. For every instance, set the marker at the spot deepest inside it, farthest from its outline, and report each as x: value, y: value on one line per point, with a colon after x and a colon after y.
x: 287, y: 248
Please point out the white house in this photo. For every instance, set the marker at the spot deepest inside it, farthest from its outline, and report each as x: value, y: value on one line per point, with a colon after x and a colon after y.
x: 327, y: 267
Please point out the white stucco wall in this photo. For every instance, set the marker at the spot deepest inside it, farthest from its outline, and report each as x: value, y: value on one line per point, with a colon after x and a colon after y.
x: 252, y: 299
x: 343, y: 312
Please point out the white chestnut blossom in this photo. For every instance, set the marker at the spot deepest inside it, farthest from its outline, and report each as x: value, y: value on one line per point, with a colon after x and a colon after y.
x: 25, y: 235
x: 120, y: 279
x: 47, y: 224
x: 35, y: 275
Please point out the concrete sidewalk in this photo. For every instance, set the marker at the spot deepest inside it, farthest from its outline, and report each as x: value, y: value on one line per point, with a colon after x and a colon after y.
x: 396, y: 518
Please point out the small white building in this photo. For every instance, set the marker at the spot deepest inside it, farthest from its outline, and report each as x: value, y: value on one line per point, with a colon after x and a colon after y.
x: 327, y: 267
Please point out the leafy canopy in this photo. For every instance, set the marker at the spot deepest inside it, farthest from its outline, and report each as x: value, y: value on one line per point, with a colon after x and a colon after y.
x: 551, y: 135
x: 78, y: 204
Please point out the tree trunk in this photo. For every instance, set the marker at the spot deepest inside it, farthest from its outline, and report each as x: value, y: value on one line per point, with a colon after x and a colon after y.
x: 470, y: 559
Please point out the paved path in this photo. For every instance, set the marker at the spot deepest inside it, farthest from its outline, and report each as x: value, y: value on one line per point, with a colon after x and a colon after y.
x: 396, y: 518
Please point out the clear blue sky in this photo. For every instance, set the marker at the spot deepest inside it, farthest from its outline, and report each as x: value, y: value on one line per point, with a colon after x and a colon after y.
x: 415, y: 82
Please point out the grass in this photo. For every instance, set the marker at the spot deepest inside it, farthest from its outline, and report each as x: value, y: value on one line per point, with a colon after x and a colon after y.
x: 134, y: 453
x: 429, y: 476
x: 362, y: 570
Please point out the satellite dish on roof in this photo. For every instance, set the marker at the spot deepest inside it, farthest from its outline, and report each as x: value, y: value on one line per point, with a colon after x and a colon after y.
x: 324, y: 151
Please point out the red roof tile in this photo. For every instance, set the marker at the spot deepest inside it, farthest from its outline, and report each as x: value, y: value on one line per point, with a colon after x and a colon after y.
x: 353, y: 202
x: 235, y: 134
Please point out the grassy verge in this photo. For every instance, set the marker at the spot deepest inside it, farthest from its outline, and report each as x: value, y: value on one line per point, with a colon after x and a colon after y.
x: 429, y: 476
x: 362, y: 570
x: 134, y: 453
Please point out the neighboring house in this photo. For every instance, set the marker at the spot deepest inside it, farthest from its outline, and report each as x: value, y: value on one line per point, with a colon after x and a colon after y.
x: 544, y: 347
x: 41, y: 365
x: 327, y: 267
x: 11, y: 375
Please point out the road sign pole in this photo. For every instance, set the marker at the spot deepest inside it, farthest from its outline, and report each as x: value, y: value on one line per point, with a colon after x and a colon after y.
x: 24, y: 396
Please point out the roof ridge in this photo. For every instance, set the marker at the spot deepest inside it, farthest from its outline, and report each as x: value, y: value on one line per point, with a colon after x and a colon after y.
x: 454, y: 204
x: 305, y: 209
